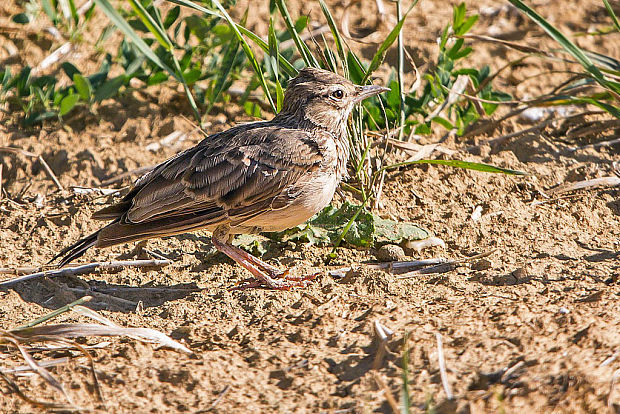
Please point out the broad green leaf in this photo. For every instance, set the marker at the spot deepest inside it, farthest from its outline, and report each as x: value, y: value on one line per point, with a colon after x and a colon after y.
x: 395, y: 232
x: 21, y: 18
x: 70, y: 69
x: 68, y: 103
x: 366, y: 229
x: 109, y: 88
x: 83, y: 87
x: 172, y: 17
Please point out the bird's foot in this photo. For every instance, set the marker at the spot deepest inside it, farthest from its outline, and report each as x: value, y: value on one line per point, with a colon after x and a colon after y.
x: 278, y: 280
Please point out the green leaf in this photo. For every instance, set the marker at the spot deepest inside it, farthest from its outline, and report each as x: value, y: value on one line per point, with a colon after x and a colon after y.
x: 228, y: 62
x: 68, y: 103
x: 251, y: 243
x: 464, y: 28
x: 83, y: 87
x: 279, y: 96
x: 39, y: 117
x: 109, y: 88
x: 366, y: 229
x: 273, y: 58
x: 458, y: 15
x: 394, y: 232
x: 74, y: 14
x: 172, y: 17
x: 70, y: 69
x: 21, y: 18
x: 157, y: 78
x: 192, y: 75
x: 443, y: 122
x: 455, y: 48
x: 356, y: 68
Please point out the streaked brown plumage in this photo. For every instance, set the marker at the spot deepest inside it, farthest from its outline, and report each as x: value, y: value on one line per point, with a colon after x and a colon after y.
x: 261, y: 176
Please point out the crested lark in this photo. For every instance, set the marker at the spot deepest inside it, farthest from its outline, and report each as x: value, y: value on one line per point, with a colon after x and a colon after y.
x: 261, y: 176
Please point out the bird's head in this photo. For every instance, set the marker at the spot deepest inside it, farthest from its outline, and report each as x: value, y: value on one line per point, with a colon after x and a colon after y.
x: 324, y: 98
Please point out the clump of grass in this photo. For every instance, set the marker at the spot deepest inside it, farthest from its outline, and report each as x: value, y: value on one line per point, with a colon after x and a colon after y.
x: 205, y: 53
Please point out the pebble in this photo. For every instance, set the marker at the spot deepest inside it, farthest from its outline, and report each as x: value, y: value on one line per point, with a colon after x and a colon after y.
x: 390, y: 253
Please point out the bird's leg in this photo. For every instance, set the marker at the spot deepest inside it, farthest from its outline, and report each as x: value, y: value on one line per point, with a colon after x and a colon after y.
x: 265, y: 274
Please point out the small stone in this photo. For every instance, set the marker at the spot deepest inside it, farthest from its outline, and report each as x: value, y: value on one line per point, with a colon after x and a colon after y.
x: 482, y: 264
x: 390, y: 253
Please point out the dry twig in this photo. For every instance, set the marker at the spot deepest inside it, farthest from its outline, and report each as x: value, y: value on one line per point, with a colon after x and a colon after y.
x: 85, y: 269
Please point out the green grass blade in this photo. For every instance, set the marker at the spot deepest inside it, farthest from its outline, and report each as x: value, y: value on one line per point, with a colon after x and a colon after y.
x: 49, y: 10
x: 302, y: 48
x: 335, y: 33
x: 151, y: 24
x: 566, y: 43
x: 476, y: 166
x: 273, y: 58
x: 248, y: 53
x: 124, y: 27
x: 228, y: 61
x: 285, y: 64
x: 613, y: 16
x: 74, y: 14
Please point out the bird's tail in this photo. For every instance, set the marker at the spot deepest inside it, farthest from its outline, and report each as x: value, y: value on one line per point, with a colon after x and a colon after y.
x: 76, y: 250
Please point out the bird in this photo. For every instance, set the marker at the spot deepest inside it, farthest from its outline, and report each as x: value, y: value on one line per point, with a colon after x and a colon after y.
x: 263, y: 176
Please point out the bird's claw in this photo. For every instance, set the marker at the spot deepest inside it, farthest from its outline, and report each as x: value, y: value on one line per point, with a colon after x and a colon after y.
x: 282, y: 280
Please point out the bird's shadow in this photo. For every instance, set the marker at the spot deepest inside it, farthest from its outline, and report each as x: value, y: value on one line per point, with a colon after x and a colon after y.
x: 59, y: 291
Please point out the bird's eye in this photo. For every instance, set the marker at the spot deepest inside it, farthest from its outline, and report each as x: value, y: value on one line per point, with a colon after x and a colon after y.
x: 338, y: 94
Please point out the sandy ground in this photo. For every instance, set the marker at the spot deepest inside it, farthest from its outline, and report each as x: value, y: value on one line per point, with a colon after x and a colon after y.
x: 534, y: 327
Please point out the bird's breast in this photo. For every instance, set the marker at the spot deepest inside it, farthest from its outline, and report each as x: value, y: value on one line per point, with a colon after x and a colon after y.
x: 311, y: 194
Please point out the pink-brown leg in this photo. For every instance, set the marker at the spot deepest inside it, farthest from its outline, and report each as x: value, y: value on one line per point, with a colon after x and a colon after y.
x: 265, y: 274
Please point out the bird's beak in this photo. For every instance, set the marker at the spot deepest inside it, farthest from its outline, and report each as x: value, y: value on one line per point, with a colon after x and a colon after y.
x: 367, y: 91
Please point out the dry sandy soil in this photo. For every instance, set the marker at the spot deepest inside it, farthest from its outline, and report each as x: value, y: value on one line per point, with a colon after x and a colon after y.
x: 532, y: 328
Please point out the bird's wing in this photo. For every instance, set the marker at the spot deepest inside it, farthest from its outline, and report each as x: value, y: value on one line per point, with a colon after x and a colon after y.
x: 238, y: 173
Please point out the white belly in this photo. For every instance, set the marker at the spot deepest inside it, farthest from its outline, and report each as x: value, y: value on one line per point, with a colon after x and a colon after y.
x: 316, y: 194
